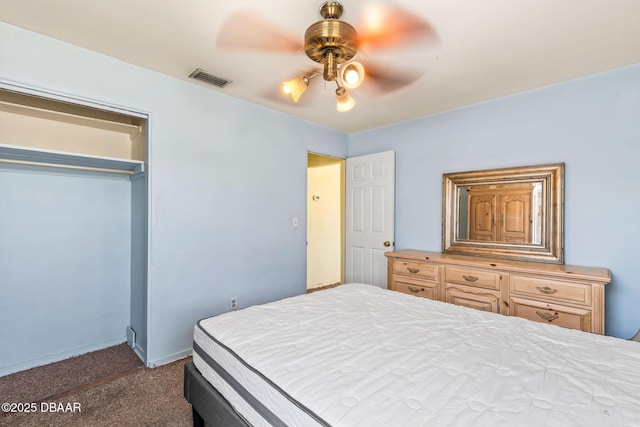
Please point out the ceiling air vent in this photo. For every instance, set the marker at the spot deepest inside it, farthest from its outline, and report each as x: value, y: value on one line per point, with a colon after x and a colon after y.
x: 200, y: 74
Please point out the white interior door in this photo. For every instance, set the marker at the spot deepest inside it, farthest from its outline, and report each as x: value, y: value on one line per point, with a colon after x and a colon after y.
x: 369, y: 217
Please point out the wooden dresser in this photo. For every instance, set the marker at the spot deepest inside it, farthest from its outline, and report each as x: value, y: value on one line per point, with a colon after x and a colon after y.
x: 565, y: 295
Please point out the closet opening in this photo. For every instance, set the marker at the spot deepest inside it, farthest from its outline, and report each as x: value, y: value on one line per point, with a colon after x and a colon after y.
x: 73, y: 227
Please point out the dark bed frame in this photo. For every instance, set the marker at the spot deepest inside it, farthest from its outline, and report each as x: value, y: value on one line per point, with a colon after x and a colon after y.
x: 208, y: 406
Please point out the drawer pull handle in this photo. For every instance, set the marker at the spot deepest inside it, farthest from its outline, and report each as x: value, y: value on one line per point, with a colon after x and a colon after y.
x: 415, y: 290
x: 546, y: 290
x: 413, y: 270
x: 547, y: 316
x: 470, y: 278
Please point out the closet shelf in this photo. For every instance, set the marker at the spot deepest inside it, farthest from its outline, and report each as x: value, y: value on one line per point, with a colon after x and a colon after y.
x: 27, y: 155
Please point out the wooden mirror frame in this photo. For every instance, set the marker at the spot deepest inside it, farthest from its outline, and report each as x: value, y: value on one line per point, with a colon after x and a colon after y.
x: 551, y: 247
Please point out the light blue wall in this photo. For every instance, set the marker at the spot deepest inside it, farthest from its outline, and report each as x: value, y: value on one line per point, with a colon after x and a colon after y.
x: 64, y: 263
x: 591, y: 124
x: 226, y: 178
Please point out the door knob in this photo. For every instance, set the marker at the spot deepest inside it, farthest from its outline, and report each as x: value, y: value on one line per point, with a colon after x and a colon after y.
x: 387, y: 243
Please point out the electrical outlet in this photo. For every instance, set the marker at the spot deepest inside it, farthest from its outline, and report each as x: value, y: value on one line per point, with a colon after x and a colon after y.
x: 233, y: 303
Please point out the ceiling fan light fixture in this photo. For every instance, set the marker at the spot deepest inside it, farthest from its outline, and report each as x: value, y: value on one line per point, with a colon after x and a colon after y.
x: 344, y: 101
x: 333, y: 45
x: 352, y: 74
x: 296, y: 87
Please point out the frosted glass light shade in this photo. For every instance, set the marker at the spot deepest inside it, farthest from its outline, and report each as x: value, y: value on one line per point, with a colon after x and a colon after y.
x: 295, y: 87
x: 352, y: 74
x: 344, y: 101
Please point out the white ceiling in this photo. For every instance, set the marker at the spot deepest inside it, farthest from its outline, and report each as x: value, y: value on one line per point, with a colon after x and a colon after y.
x: 487, y: 49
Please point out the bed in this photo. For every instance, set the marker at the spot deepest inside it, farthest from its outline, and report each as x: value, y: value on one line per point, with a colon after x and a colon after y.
x: 358, y: 355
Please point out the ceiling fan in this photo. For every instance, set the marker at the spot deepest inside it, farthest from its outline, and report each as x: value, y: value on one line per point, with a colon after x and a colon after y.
x: 334, y: 44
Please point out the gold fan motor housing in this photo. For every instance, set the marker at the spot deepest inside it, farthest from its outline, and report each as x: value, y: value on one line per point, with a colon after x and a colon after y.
x: 330, y: 40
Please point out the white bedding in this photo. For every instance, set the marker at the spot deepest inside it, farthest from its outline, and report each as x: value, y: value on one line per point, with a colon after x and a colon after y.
x: 358, y: 355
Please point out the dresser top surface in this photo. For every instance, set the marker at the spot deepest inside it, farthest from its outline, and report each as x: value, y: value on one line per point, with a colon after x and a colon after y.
x: 592, y: 273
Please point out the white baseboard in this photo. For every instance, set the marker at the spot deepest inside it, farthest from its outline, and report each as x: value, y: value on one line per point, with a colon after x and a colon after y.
x: 139, y: 351
x: 56, y: 357
x: 171, y: 358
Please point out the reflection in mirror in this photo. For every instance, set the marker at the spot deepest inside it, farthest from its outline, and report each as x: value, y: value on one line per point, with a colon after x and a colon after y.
x: 514, y: 213
x: 501, y: 213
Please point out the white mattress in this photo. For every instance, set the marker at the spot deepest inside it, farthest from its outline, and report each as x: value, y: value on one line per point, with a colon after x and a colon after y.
x: 358, y: 355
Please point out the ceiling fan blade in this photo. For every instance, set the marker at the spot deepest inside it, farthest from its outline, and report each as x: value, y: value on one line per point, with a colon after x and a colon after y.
x: 387, y: 26
x: 389, y: 79
x: 277, y: 95
x: 249, y: 31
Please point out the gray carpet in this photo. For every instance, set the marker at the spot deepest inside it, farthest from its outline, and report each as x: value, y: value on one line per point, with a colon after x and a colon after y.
x: 110, y: 388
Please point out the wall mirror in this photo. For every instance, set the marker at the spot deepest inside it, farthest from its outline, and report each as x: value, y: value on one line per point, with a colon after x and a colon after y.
x: 512, y: 213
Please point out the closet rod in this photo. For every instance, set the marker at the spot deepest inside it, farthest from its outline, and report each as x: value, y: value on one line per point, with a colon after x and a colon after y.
x: 54, y: 165
x: 127, y: 126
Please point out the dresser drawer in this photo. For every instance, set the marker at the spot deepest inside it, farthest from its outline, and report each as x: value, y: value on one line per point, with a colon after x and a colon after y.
x: 576, y: 293
x: 471, y: 297
x: 568, y: 317
x: 565, y: 295
x: 424, y: 271
x: 477, y: 278
x: 415, y: 287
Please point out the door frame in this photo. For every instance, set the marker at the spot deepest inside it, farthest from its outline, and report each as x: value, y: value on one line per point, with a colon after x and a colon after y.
x: 318, y: 159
